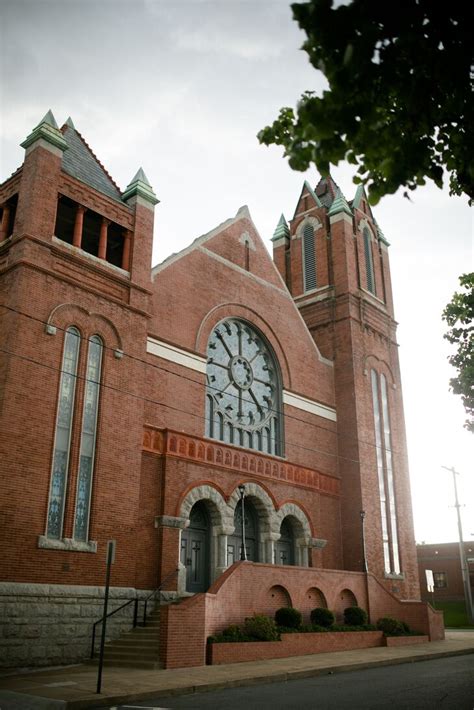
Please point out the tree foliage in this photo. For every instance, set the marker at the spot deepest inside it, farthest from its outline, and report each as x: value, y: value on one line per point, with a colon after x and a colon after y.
x: 459, y: 315
x: 399, y: 104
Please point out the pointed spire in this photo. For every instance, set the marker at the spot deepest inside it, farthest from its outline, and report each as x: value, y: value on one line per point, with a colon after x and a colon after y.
x: 339, y: 205
x: 140, y: 175
x: 49, y: 119
x: 140, y: 187
x: 282, y: 231
x: 70, y: 123
x: 48, y: 132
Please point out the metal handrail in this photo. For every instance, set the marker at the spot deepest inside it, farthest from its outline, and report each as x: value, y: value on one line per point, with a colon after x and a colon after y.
x: 158, y: 589
x: 111, y: 613
x: 136, y: 602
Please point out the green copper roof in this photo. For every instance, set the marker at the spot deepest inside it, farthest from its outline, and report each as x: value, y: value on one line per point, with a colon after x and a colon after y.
x: 141, y: 187
x: 312, y: 193
x: 339, y: 205
x: 282, y: 230
x: 358, y: 196
x: 48, y: 130
x: 380, y: 235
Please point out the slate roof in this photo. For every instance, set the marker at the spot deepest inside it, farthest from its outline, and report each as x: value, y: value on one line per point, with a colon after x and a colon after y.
x: 80, y: 162
x: 326, y: 190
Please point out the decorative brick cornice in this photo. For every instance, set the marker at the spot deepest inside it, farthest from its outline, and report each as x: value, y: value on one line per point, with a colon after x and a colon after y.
x: 167, y: 442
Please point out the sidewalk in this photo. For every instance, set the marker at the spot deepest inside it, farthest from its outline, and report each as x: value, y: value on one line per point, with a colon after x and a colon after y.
x: 74, y: 686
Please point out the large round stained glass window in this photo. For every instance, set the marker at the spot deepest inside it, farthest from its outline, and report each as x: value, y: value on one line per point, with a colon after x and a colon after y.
x: 243, y: 388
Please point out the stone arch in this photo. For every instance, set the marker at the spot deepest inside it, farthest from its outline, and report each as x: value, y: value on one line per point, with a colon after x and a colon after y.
x: 221, y: 520
x: 218, y: 510
x: 264, y: 505
x: 301, y: 528
x: 301, y: 522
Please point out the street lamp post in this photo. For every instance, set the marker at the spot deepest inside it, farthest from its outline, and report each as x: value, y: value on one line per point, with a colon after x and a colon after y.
x: 243, y: 548
x: 362, y: 518
x: 462, y: 553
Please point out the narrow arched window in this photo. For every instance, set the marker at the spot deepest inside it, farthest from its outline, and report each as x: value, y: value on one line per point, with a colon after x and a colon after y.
x: 369, y: 263
x: 62, y: 438
x: 309, y: 258
x: 383, y: 447
x: 88, y: 437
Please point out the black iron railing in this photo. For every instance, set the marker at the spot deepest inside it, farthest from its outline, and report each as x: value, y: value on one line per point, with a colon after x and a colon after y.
x: 135, y: 602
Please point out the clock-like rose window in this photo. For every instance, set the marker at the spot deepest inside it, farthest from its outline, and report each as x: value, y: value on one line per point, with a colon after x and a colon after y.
x: 243, y: 402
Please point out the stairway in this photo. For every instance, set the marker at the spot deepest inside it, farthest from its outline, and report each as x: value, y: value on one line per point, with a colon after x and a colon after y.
x: 138, y: 648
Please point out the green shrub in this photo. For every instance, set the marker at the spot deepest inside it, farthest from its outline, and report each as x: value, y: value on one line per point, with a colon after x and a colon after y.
x: 322, y: 617
x: 233, y: 633
x: 355, y: 616
x: 390, y: 626
x: 261, y: 628
x: 289, y: 617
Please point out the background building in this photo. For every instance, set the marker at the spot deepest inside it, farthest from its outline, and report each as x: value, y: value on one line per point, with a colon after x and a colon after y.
x: 443, y: 559
x: 135, y: 404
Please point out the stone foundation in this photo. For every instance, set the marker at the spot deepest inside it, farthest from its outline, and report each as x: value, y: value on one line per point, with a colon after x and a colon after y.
x: 51, y: 624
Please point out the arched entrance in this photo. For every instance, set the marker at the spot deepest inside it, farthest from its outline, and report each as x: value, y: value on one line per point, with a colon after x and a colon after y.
x: 195, y: 549
x: 234, y: 542
x: 285, y: 547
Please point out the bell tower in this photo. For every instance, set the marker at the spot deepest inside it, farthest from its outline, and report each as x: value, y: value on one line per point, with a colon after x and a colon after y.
x: 334, y: 260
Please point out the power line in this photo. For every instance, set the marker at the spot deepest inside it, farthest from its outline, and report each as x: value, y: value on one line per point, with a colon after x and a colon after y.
x: 333, y: 432
x: 162, y: 404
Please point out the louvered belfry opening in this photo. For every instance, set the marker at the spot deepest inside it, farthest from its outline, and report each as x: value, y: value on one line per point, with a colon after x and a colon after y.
x: 309, y: 258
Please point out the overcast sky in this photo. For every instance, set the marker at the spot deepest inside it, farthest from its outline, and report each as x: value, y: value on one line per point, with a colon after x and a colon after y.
x: 181, y: 89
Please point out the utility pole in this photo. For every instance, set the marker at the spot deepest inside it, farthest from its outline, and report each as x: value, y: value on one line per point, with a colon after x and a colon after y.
x: 462, y: 554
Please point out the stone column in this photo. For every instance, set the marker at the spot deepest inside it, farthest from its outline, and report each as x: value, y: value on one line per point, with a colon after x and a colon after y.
x: 220, y: 535
x: 269, y: 547
x: 5, y: 222
x: 127, y: 238
x: 102, y: 254
x: 77, y: 237
x: 176, y: 524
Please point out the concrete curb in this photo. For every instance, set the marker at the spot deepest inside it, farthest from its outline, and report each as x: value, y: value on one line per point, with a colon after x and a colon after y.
x: 206, y: 687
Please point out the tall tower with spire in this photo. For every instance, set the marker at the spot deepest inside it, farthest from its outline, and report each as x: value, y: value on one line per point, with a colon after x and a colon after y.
x: 334, y: 260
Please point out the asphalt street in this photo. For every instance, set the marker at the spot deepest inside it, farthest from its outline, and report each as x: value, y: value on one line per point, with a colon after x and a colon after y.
x: 427, y: 685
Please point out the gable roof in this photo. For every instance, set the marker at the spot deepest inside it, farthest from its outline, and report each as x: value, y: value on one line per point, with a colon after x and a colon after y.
x: 80, y: 162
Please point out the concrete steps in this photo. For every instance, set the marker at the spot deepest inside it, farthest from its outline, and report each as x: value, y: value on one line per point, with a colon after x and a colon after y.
x: 138, y: 648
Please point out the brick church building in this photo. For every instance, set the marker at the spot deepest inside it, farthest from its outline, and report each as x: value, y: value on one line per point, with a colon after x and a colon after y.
x: 147, y: 406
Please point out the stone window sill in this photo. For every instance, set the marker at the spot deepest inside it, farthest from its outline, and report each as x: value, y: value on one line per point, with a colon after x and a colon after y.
x: 395, y: 576
x: 66, y: 544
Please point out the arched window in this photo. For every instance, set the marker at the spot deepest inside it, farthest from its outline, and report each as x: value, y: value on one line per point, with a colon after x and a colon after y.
x: 369, y: 264
x: 309, y: 258
x: 383, y: 447
x: 62, y: 438
x: 243, y: 388
x: 88, y: 435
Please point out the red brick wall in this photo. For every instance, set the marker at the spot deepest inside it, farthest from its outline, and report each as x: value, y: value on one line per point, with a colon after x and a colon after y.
x: 245, y: 589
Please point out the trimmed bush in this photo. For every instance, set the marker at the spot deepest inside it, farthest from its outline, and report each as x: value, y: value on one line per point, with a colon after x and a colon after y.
x: 322, y: 617
x: 391, y: 626
x: 289, y: 617
x: 261, y: 628
x: 355, y: 616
